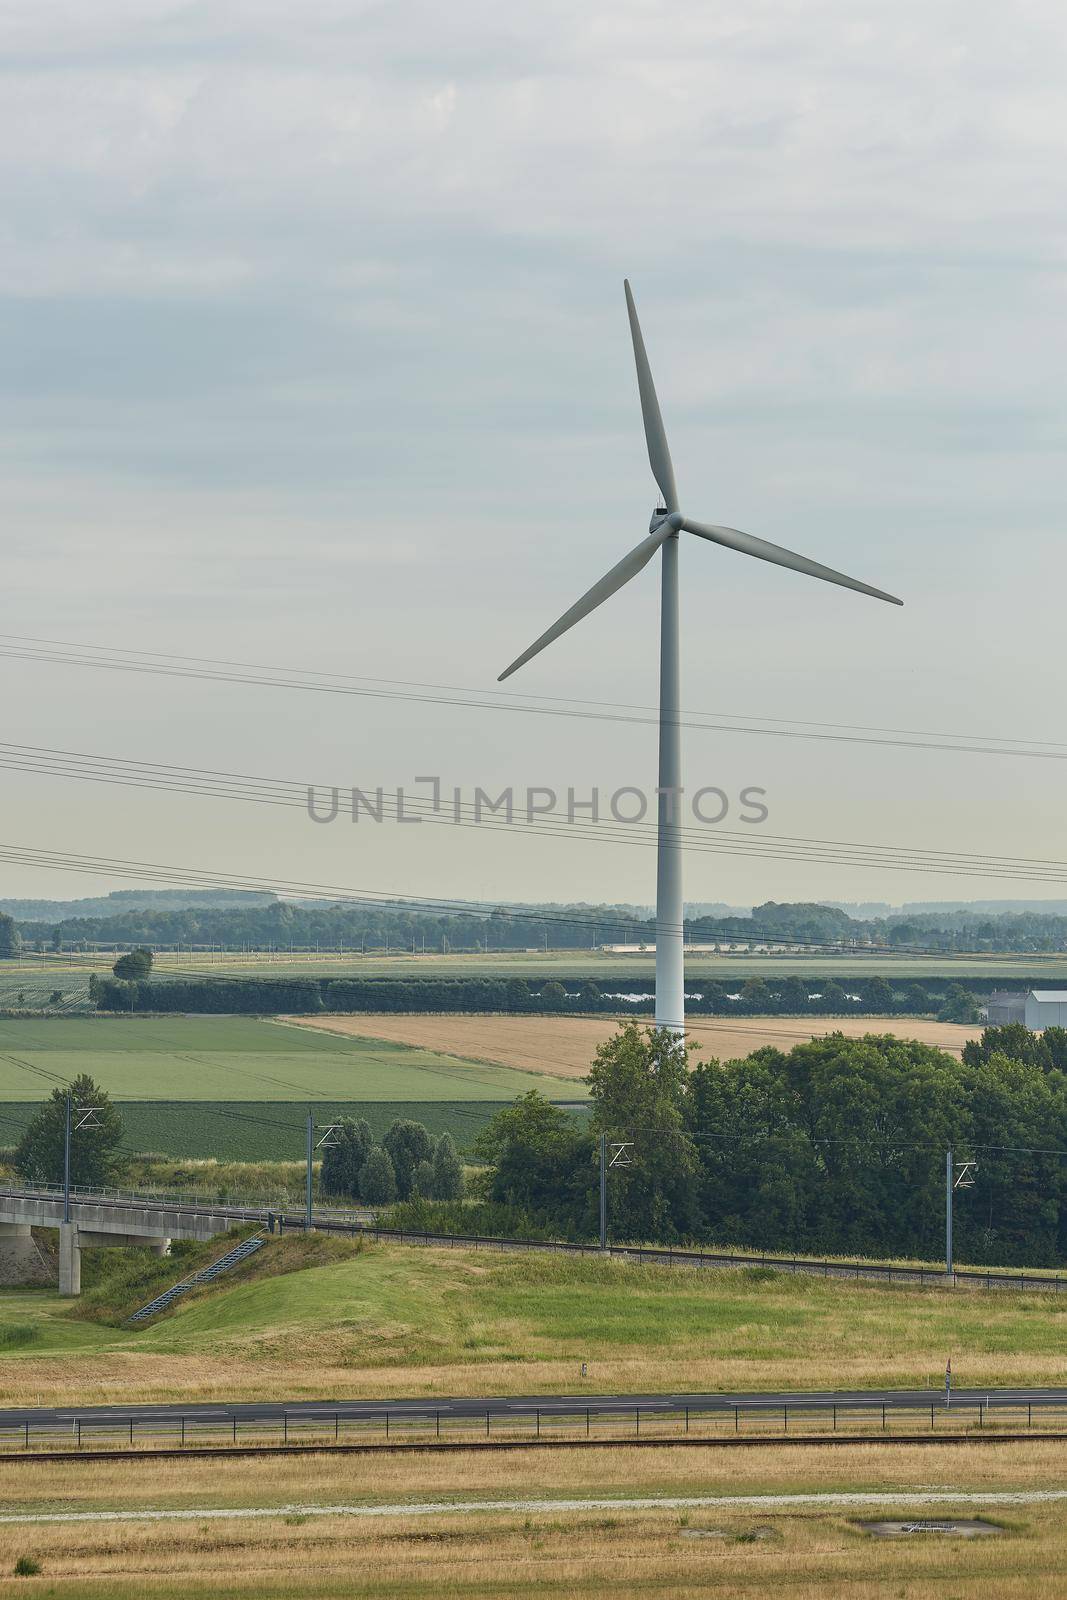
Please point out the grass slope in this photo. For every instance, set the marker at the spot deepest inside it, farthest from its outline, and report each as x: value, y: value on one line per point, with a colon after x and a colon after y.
x: 396, y: 1320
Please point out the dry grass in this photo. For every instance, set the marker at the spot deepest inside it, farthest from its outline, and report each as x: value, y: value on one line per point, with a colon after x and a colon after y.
x: 811, y: 1552
x: 563, y: 1047
x: 339, y: 1479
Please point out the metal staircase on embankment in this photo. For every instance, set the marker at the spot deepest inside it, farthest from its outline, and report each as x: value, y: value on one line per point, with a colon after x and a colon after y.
x: 240, y: 1252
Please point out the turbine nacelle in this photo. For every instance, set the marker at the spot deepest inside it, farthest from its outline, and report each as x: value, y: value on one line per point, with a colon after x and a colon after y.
x: 662, y: 515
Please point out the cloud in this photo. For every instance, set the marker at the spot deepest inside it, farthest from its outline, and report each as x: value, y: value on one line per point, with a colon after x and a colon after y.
x: 314, y: 312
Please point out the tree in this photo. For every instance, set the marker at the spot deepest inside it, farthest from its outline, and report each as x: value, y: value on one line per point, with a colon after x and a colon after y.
x: 407, y: 1143
x: 10, y: 942
x: 1011, y: 1039
x: 757, y: 1168
x: 422, y: 1182
x: 517, y: 995
x: 873, y: 1110
x: 637, y: 1087
x: 793, y: 995
x: 553, y: 996
x: 343, y: 1159
x: 542, y: 1160
x: 960, y: 1005
x: 756, y: 997
x: 134, y: 965
x: 1055, y: 1042
x: 590, y: 996
x: 879, y: 996
x: 377, y: 1181
x: 96, y: 1157
x: 447, y: 1172
x: 1014, y: 1211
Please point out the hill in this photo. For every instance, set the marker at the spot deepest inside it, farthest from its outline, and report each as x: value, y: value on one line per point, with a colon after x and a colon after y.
x: 312, y: 1317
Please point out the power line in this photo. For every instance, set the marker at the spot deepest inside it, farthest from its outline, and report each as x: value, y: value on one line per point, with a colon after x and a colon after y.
x: 220, y: 784
x: 218, y: 670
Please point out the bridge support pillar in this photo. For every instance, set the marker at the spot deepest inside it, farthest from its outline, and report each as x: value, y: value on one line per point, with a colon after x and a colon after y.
x: 20, y: 1260
x: 70, y: 1259
x: 161, y: 1247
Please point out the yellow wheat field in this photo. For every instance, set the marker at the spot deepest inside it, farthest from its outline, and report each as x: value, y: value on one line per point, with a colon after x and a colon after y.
x: 563, y: 1047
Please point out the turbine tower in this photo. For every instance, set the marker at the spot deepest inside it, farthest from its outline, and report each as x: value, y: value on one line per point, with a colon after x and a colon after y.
x: 667, y: 523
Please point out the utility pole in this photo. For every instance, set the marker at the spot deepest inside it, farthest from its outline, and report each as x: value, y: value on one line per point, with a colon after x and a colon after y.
x: 310, y: 1151
x: 962, y: 1179
x: 620, y: 1157
x: 327, y: 1142
x: 84, y: 1120
x: 66, y: 1166
x: 949, y: 1185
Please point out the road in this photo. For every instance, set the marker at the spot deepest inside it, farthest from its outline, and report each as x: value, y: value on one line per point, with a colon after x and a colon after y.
x: 504, y: 1406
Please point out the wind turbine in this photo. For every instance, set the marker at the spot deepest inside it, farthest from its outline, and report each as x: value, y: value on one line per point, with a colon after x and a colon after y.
x: 667, y: 523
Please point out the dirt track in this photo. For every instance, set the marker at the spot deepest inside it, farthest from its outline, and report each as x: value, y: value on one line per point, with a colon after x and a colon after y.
x: 563, y: 1047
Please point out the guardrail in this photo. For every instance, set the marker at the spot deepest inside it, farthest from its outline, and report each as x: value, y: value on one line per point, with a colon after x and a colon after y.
x: 257, y: 1210
x: 153, y: 1196
x: 707, y: 1422
x: 349, y: 1222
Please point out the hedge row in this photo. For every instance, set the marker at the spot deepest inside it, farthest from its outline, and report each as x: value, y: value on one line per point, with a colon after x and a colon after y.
x: 865, y: 995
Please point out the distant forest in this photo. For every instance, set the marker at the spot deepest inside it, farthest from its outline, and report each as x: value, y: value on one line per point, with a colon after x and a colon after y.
x: 234, y: 921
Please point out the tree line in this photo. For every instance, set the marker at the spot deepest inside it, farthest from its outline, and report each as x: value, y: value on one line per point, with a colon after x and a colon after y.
x: 836, y: 1147
x: 409, y: 1164
x: 276, y: 924
x: 870, y: 995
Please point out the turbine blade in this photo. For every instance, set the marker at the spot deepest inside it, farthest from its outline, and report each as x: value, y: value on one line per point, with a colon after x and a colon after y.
x: 659, y: 456
x: 627, y: 568
x: 763, y: 550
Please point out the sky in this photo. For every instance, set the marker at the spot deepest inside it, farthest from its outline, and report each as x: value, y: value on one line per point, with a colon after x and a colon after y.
x: 316, y: 355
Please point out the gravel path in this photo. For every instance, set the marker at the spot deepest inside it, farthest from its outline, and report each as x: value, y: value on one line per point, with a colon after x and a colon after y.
x: 424, y: 1508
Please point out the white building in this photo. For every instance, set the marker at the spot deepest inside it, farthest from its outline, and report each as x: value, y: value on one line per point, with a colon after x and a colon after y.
x: 1046, y: 1008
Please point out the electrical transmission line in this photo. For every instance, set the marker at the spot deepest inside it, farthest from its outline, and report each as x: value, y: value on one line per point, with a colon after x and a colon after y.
x: 254, y: 674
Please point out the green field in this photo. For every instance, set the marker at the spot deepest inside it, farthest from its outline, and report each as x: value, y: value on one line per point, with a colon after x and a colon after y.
x: 239, y: 1087
x: 240, y: 1058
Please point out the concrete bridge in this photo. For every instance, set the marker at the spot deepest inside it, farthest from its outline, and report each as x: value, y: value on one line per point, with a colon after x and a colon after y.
x: 128, y: 1223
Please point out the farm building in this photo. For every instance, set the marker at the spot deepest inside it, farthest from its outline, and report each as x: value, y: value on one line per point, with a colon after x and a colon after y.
x: 1005, y: 1006
x: 1046, y: 1008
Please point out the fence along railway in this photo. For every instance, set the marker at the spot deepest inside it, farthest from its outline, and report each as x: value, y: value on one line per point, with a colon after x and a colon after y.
x: 888, y: 1416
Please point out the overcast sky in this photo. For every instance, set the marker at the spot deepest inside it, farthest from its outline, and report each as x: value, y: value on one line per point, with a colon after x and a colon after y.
x: 315, y: 353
